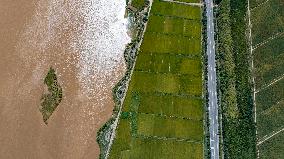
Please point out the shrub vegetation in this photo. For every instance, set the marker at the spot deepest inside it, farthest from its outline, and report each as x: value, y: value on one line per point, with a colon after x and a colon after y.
x: 234, y: 81
x: 50, y: 100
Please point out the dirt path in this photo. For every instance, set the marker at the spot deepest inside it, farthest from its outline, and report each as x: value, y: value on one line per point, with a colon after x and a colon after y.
x: 84, y: 41
x: 268, y: 40
x: 270, y: 136
x: 252, y: 65
x: 271, y: 83
x: 185, y: 3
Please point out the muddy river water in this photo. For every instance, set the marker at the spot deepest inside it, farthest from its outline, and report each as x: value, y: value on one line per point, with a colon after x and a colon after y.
x: 84, y: 41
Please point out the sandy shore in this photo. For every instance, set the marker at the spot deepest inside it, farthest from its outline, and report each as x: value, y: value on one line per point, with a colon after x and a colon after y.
x: 84, y: 41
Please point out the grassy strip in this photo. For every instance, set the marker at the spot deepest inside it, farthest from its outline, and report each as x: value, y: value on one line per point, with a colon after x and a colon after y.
x: 234, y: 81
x: 50, y: 100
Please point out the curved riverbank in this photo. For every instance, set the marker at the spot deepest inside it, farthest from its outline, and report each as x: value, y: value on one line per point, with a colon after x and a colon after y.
x: 84, y: 41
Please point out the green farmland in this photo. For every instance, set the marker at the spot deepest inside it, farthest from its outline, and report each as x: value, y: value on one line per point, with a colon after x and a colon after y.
x: 138, y: 3
x: 163, y: 114
x: 269, y: 61
x: 267, y: 20
x: 268, y: 58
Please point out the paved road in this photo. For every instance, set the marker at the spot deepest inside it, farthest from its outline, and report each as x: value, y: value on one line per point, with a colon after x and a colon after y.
x: 213, y: 106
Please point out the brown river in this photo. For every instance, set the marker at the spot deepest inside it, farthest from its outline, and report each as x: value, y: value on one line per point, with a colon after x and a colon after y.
x: 84, y: 41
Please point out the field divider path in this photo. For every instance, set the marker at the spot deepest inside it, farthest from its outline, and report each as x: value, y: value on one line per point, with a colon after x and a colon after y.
x: 270, y: 136
x: 153, y: 137
x: 259, y: 5
x: 174, y: 35
x: 172, y: 16
x: 251, y: 53
x: 268, y: 40
x: 212, y: 83
x: 172, y: 116
x: 252, y: 67
x: 185, y: 3
x: 271, y: 83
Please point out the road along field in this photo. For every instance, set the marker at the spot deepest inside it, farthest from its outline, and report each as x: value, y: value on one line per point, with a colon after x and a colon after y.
x: 267, y: 19
x: 162, y: 114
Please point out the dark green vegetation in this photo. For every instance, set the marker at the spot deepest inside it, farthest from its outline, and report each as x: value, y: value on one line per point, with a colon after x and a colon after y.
x: 50, y: 100
x: 139, y: 4
x: 255, y: 3
x: 235, y: 85
x: 162, y: 114
x: 268, y: 58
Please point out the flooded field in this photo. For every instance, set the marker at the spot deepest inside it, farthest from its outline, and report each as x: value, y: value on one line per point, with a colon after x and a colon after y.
x: 84, y: 41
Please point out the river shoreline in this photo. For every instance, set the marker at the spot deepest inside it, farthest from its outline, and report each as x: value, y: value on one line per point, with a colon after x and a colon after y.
x: 84, y: 41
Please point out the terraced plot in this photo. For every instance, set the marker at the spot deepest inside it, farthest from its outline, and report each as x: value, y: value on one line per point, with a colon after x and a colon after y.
x: 268, y: 57
x: 162, y: 115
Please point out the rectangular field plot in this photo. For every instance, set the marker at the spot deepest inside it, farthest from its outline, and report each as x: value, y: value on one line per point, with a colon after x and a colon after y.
x: 168, y: 105
x: 161, y: 43
x: 164, y: 104
x: 267, y: 20
x: 273, y: 148
x: 270, y: 96
x: 168, y: 63
x: 176, y: 10
x: 167, y: 83
x: 178, y: 26
x: 269, y: 61
x: 123, y: 139
x: 163, y: 149
x: 271, y: 119
x: 160, y: 126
